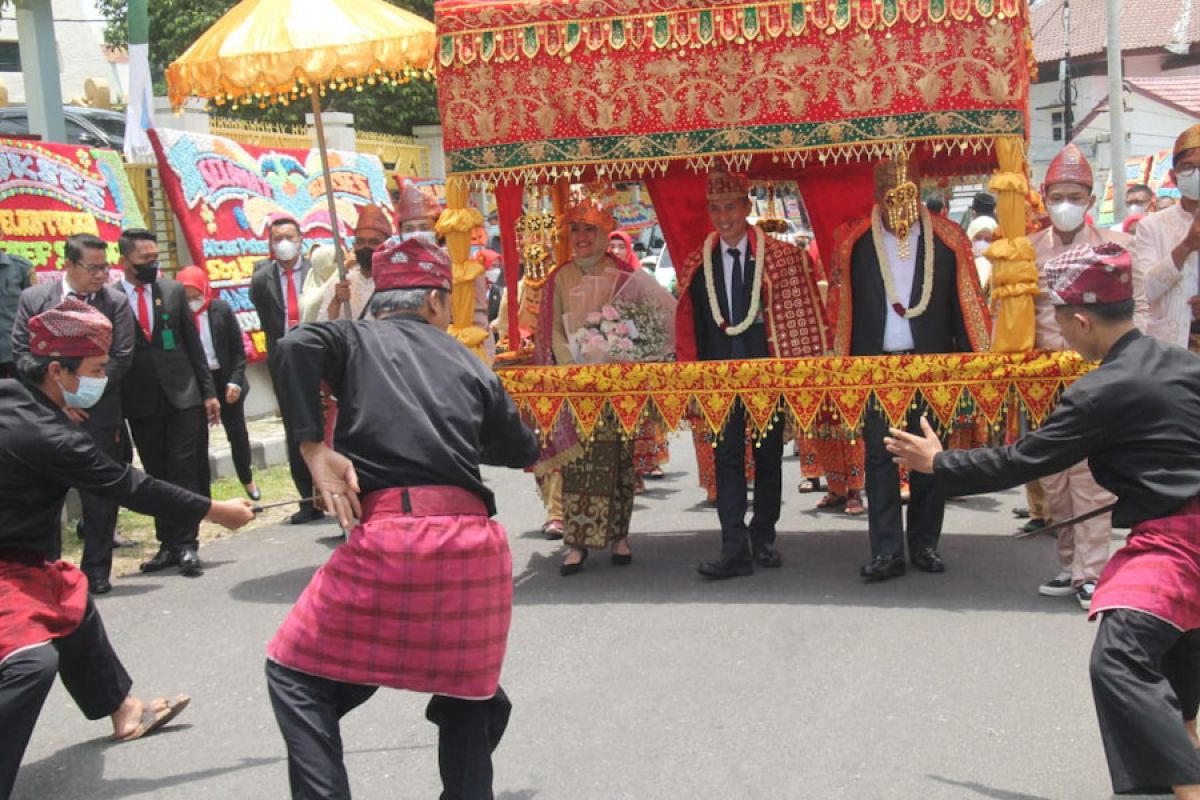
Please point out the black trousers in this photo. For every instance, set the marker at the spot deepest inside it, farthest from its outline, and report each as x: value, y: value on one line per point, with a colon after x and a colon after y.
x: 308, y: 710
x: 233, y: 420
x: 299, y: 470
x: 926, y: 505
x: 90, y: 671
x: 173, y: 444
x: 730, y: 468
x: 1146, y: 682
x: 100, y: 514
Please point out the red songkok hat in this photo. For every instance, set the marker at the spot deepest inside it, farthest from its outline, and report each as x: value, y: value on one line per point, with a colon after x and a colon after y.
x: 72, y: 329
x: 412, y: 264
x: 415, y: 202
x: 372, y: 218
x: 1084, y: 275
x: 1069, y: 166
x: 727, y: 186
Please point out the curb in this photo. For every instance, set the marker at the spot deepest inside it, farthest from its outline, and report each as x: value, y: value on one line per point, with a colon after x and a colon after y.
x: 263, y: 453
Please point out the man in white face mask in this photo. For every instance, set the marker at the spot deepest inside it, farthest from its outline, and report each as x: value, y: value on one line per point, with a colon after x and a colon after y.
x: 275, y: 292
x: 1165, y: 252
x: 1083, y: 547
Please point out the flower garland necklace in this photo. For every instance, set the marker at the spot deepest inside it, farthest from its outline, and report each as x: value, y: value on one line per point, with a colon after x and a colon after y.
x: 885, y: 267
x: 755, y: 292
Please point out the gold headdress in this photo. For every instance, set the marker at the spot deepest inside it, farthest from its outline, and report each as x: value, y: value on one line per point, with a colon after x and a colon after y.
x: 901, y: 197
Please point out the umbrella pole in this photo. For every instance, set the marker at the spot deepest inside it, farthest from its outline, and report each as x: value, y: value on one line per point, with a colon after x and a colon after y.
x: 339, y: 257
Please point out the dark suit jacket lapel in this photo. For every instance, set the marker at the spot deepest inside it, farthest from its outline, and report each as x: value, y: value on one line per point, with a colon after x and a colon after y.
x: 275, y: 273
x: 918, y: 272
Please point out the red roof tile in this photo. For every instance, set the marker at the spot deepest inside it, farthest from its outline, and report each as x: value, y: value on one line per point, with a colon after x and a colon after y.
x: 1139, y: 29
x: 1183, y: 92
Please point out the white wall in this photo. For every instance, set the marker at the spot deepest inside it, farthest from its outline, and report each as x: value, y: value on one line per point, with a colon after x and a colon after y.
x: 83, y: 46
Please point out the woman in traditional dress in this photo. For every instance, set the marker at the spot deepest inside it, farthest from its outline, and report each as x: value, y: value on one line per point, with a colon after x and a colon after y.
x: 598, y: 477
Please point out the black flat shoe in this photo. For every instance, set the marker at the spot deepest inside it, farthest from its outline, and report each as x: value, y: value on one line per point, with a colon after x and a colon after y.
x: 256, y: 495
x: 928, y: 560
x: 305, y: 515
x: 572, y: 569
x: 189, y: 563
x: 99, y: 586
x: 765, y: 555
x: 165, y: 557
x: 737, y: 566
x: 881, y: 568
x: 622, y: 559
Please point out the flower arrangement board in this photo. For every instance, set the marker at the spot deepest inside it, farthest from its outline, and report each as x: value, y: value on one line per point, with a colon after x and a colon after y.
x: 51, y: 191
x: 226, y: 194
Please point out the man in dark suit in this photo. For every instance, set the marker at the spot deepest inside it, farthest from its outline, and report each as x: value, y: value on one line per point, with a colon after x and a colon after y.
x: 746, y: 295
x: 168, y: 394
x: 904, y: 282
x: 16, y: 275
x: 275, y: 293
x: 84, y: 278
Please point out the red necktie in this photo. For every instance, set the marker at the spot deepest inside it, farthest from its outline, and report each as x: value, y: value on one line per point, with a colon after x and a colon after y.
x: 144, y: 313
x: 293, y: 302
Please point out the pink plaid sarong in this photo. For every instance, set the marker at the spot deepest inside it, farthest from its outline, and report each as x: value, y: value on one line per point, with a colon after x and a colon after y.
x: 1157, y: 571
x: 419, y: 598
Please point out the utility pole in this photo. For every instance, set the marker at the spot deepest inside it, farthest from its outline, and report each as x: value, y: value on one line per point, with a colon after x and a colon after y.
x: 1065, y: 76
x: 1116, y: 109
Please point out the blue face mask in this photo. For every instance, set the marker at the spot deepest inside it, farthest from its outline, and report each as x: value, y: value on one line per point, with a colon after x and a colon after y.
x: 88, y: 393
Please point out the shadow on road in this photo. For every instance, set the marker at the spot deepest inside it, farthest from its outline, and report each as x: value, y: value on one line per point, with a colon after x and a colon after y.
x: 78, y: 771
x: 988, y: 791
x: 983, y: 573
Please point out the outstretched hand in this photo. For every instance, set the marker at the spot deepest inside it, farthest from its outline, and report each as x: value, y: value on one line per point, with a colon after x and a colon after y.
x: 914, y: 452
x: 334, y: 480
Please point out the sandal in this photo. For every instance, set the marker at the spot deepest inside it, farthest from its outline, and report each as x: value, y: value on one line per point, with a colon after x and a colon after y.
x: 854, y: 505
x: 154, y: 717
x: 656, y: 474
x: 553, y: 529
x: 830, y: 502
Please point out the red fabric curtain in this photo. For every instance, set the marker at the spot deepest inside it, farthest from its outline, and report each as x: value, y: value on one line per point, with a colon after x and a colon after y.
x: 682, y: 212
x: 833, y: 195
x: 509, y: 205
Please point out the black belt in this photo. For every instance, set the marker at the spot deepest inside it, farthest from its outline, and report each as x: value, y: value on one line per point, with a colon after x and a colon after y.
x: 900, y: 352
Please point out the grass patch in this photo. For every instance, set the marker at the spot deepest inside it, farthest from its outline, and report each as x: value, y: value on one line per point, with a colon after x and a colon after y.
x: 275, y: 484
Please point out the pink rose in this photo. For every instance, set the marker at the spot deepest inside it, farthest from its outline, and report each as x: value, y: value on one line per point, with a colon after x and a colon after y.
x: 610, y: 313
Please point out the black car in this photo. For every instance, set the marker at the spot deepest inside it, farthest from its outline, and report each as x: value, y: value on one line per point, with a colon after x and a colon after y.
x: 93, y: 127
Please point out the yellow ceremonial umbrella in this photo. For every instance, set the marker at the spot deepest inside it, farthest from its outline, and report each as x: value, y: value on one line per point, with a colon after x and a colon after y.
x: 278, y: 51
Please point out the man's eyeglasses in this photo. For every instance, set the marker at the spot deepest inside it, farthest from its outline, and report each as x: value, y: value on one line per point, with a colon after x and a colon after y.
x: 101, y: 269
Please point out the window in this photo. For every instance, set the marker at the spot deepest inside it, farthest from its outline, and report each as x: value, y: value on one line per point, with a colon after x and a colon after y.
x: 14, y: 125
x: 1057, y: 118
x: 10, y: 57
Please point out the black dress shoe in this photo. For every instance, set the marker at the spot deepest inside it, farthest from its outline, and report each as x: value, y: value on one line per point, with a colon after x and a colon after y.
x: 165, y: 557
x: 765, y: 555
x: 573, y: 569
x: 99, y: 586
x: 727, y: 567
x: 881, y: 568
x: 622, y: 559
x: 189, y: 563
x: 305, y: 515
x: 928, y: 560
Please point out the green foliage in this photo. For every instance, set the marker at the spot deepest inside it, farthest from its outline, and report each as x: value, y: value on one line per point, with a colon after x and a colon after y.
x: 176, y: 24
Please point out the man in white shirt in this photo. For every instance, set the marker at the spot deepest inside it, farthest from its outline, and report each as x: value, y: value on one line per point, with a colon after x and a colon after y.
x: 903, y: 281
x: 1082, y: 547
x: 1164, y: 252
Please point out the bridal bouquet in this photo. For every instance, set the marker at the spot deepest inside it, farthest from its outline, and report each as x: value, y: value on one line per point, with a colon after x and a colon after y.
x: 620, y: 317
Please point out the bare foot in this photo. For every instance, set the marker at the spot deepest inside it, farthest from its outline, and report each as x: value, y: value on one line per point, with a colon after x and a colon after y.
x: 127, y: 716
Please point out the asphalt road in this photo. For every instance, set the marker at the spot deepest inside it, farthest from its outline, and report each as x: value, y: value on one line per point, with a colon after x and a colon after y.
x: 647, y: 682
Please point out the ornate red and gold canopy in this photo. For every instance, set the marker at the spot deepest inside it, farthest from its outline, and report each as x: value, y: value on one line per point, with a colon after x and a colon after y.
x: 532, y: 90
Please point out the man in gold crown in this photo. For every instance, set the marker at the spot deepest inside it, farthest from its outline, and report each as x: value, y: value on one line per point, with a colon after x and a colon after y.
x: 1082, y: 547
x: 598, y: 479
x: 903, y: 282
x: 746, y: 295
